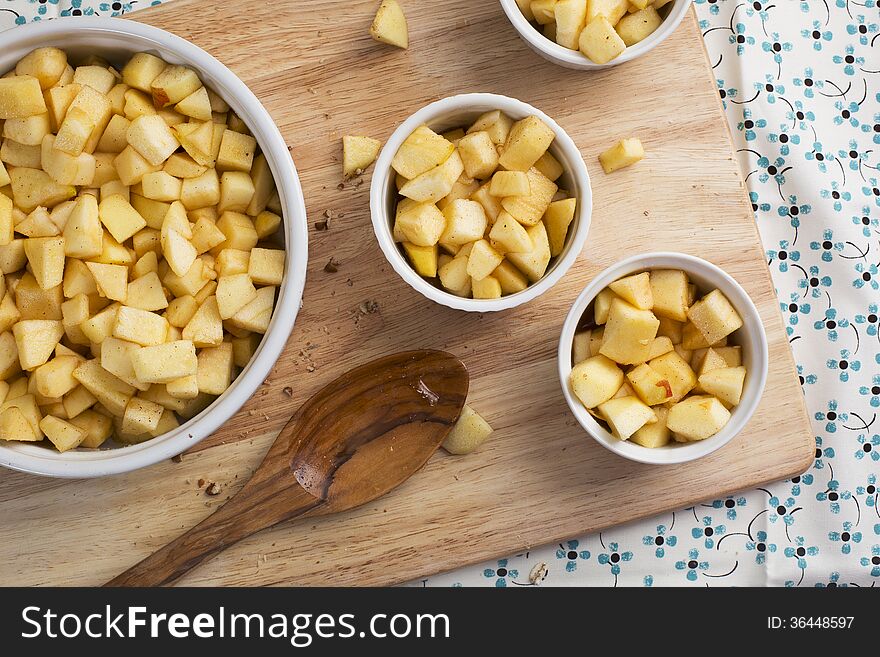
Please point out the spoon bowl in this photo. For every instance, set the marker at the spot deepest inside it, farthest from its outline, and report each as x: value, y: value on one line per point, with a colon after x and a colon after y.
x: 356, y: 439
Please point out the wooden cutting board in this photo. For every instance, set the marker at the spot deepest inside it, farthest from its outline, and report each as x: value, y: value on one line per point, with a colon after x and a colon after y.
x: 540, y: 478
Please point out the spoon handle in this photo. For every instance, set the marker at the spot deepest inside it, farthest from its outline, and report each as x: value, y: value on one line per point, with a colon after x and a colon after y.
x: 255, y: 507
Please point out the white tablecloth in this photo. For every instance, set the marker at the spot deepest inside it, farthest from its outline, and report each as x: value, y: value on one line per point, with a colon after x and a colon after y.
x: 800, y: 82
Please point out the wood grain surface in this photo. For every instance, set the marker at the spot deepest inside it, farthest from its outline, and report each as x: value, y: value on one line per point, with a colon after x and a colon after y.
x: 540, y: 478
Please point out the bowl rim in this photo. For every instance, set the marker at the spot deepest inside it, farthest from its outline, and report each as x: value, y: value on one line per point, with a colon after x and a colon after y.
x: 383, y: 178
x: 758, y: 353
x: 96, y: 463
x: 573, y: 58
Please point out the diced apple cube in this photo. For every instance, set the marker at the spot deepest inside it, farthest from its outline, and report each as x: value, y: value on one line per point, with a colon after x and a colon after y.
x: 478, y: 154
x: 140, y: 326
x: 697, y: 417
x: 629, y: 332
x: 468, y: 433
x: 626, y: 415
x: 215, y: 367
x: 534, y: 263
x: 557, y: 218
x: 510, y: 235
x: 527, y: 141
x: 434, y: 184
x: 725, y: 383
x: 635, y: 289
x: 422, y: 258
x: 654, y: 434
x: 35, y: 340
x: 623, y: 154
x: 595, y: 380
x: 421, y: 151
x: 358, y: 153
x: 389, y: 25
x: 465, y: 222
x: 529, y: 209
x: 714, y: 316
x: 165, y: 362
x: 266, y: 266
x: 676, y: 370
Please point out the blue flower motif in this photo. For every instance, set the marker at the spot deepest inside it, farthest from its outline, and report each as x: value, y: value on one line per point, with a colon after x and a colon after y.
x: 648, y: 581
x: 849, y: 60
x: 872, y: 391
x: 832, y: 583
x: 771, y: 87
x: 875, y: 128
x: 833, y: 495
x: 76, y: 9
x: 501, y: 574
x: 820, y: 156
x: 748, y: 124
x: 776, y: 47
x: 571, y: 554
x: 780, y: 510
x: 115, y: 8
x: 835, y: 194
x: 846, y: 113
x: 614, y: 557
x: 866, y: 222
x: 817, y: 35
x: 708, y: 532
x: 854, y: 155
x: 762, y: 207
x: 814, y: 282
x: 760, y: 9
x: 783, y: 255
x: 660, y: 540
x: 871, y: 319
x: 831, y: 417
x: 845, y: 364
x: 805, y: 479
x: 800, y: 116
x: 44, y: 4
x: 862, y: 29
x: 868, y: 447
x: 830, y: 323
x: 846, y: 537
x: 761, y: 547
x: 784, y: 139
x: 822, y: 453
x: 741, y: 39
x: 800, y: 551
x: 806, y: 379
x: 870, y: 490
x: 808, y: 82
x: 872, y: 189
x: 730, y: 504
x: 692, y: 565
x: 827, y: 246
x: 794, y: 307
x: 713, y: 5
x: 725, y: 92
x: 867, y: 276
x: 873, y: 561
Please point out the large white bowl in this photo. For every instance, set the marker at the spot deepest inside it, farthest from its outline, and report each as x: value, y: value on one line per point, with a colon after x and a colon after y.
x: 115, y: 39
x: 552, y: 51
x: 457, y: 111
x: 750, y: 337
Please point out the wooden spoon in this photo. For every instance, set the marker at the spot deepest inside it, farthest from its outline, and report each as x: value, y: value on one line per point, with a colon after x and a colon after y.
x: 356, y: 439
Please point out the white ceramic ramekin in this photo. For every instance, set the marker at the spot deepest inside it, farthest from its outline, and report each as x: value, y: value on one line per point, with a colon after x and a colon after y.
x: 751, y: 337
x: 115, y: 39
x: 552, y: 51
x: 457, y: 111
